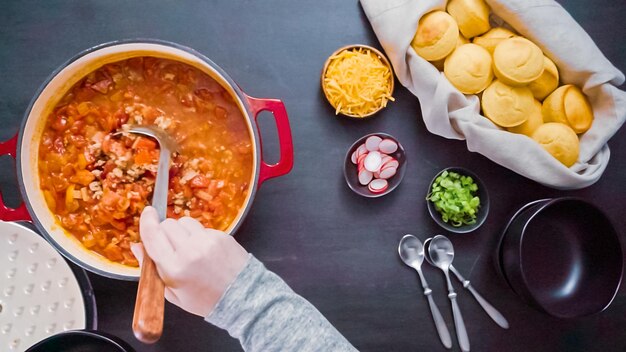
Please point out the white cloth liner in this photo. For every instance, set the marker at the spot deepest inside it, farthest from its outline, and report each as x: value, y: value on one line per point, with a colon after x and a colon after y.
x: 451, y: 114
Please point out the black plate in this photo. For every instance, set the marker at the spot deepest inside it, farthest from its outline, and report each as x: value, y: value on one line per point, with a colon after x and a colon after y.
x: 498, y: 255
x: 82, y: 341
x: 563, y: 256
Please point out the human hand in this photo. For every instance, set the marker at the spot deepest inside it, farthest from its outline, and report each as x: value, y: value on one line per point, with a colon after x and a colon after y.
x: 196, y: 264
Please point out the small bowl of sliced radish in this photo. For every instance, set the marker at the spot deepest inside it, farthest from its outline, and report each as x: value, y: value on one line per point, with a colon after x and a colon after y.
x: 374, y: 165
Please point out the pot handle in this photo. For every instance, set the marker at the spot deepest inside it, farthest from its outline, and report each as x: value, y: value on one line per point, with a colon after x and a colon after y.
x: 20, y: 213
x: 285, y: 164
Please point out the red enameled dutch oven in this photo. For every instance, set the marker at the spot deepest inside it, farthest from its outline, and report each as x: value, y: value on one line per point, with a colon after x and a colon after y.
x: 24, y: 145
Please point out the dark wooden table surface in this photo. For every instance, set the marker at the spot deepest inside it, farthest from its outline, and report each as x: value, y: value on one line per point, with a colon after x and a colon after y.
x: 333, y: 247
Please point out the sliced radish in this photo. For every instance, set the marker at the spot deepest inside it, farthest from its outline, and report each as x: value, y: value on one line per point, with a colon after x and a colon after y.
x: 360, y: 166
x: 387, y: 173
x: 378, y: 186
x: 353, y: 157
x: 372, y: 142
x: 361, y: 150
x: 373, y: 161
x: 365, y: 177
x: 391, y: 163
x: 377, y: 174
x: 386, y: 159
x: 360, y: 158
x: 388, y: 146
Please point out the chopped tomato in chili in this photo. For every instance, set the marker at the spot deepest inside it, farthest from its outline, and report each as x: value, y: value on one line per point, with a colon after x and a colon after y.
x: 97, y: 184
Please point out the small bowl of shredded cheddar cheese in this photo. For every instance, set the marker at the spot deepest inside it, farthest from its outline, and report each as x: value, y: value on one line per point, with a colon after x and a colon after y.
x: 357, y: 81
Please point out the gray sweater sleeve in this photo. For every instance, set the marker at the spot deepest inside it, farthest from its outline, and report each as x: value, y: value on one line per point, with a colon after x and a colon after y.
x: 264, y: 314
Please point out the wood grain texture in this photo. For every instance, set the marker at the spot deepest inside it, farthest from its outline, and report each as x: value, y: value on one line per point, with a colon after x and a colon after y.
x: 150, y: 304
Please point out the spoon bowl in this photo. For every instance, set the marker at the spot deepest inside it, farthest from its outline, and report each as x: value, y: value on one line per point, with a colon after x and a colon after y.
x: 162, y: 137
x: 411, y: 251
x: 441, y: 252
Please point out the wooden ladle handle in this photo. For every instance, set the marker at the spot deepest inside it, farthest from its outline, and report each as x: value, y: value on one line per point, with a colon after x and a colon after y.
x: 149, y: 306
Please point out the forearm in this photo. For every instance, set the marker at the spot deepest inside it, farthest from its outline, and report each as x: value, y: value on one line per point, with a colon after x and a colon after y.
x: 262, y: 312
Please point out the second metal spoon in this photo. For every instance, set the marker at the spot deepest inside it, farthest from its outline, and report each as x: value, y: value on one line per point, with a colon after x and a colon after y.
x: 487, y: 307
x: 442, y: 253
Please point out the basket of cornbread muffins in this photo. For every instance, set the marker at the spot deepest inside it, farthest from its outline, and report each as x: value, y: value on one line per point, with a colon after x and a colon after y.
x: 520, y: 81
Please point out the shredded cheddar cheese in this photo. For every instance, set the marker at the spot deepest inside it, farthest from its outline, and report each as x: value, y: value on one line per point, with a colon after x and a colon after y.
x: 357, y: 82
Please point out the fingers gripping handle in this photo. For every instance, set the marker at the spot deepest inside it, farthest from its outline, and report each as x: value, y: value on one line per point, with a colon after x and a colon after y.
x: 9, y: 214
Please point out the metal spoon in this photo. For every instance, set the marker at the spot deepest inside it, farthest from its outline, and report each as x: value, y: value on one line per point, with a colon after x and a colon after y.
x: 149, y: 304
x: 442, y: 253
x: 489, y: 309
x: 167, y: 146
x: 411, y: 251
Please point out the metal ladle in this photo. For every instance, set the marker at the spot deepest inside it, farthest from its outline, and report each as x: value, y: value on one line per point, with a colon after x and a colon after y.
x: 487, y: 307
x: 150, y: 301
x: 411, y: 252
x: 441, y: 253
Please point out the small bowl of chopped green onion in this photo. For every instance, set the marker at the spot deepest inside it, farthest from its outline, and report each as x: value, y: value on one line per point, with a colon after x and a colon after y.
x: 457, y: 200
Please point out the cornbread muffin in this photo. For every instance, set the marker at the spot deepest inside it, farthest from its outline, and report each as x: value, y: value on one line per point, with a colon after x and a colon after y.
x: 492, y: 38
x: 517, y: 61
x: 578, y: 110
x: 471, y: 15
x: 507, y: 106
x: 462, y: 40
x: 559, y: 140
x: 547, y: 82
x: 439, y: 63
x: 535, y: 119
x: 468, y: 68
x: 552, y: 108
x: 568, y: 105
x: 436, y: 36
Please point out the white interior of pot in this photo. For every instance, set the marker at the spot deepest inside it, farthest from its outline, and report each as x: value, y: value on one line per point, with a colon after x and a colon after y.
x: 35, y: 124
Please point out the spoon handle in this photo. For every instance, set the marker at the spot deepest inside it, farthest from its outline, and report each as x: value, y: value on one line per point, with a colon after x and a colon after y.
x: 442, y: 329
x: 150, y: 302
x: 459, y: 324
x: 149, y: 305
x: 461, y: 332
x: 489, y: 309
x: 440, y: 324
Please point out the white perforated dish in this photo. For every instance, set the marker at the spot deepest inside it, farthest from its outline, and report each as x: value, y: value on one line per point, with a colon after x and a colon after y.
x: 39, y: 294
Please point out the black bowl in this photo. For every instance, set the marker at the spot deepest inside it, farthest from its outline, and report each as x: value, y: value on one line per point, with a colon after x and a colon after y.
x: 81, y: 341
x: 563, y: 257
x: 351, y: 175
x: 483, y: 210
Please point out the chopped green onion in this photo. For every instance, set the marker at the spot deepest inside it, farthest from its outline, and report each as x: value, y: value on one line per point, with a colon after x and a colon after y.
x: 454, y: 197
